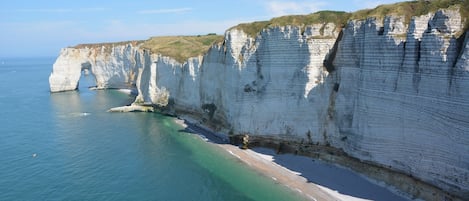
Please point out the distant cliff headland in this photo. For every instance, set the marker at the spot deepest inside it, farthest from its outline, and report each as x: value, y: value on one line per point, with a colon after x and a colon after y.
x: 383, y: 91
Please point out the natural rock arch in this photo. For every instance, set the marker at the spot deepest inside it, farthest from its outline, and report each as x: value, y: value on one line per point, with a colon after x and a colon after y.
x: 67, y: 70
x: 87, y: 71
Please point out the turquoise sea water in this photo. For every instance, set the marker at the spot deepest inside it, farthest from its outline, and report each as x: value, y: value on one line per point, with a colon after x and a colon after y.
x: 65, y: 146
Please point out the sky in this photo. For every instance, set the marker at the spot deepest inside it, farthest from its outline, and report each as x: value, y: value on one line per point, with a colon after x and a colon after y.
x: 32, y: 28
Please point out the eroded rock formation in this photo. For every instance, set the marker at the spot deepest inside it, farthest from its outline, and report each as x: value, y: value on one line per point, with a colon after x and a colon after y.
x: 383, y: 91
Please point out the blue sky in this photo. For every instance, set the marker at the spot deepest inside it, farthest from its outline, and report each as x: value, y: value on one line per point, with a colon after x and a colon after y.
x: 41, y: 28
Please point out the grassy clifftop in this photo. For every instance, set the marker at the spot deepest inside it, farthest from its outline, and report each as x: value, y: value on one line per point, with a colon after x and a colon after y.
x: 336, y: 17
x: 177, y: 47
x: 407, y: 9
x: 412, y: 8
x: 109, y: 45
x: 181, y: 47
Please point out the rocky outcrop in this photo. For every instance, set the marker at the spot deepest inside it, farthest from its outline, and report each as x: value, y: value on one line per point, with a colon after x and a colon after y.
x: 132, y: 108
x: 385, y: 92
x: 112, y: 66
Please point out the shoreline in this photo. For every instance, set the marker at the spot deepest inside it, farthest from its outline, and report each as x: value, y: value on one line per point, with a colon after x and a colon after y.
x: 292, y: 180
x: 281, y: 168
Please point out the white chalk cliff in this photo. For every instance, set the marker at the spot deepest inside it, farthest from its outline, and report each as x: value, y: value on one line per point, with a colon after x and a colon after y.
x: 113, y: 67
x: 383, y: 91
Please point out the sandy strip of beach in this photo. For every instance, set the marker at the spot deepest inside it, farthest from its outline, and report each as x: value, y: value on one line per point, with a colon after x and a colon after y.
x: 313, y: 179
x: 265, y: 165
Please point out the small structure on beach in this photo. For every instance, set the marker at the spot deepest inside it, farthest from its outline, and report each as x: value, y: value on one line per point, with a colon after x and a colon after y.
x: 245, y: 141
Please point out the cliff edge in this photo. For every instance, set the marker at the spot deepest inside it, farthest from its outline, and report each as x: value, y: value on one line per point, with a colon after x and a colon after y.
x: 389, y: 91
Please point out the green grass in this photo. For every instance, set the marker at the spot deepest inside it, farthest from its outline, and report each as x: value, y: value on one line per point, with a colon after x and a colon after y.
x: 181, y: 47
x: 110, y: 44
x: 406, y: 9
x: 321, y: 17
x: 412, y: 8
x: 253, y: 28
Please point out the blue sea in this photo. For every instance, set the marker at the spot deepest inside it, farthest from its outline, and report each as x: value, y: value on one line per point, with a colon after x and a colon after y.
x: 65, y: 146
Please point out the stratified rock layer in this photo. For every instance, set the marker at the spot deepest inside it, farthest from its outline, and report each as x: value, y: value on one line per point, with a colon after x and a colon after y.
x: 403, y: 102
x: 113, y: 67
x: 385, y: 92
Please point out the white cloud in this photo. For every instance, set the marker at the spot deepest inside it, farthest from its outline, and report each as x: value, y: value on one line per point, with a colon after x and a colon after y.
x: 60, y: 10
x: 278, y: 8
x: 165, y: 11
x: 45, y: 10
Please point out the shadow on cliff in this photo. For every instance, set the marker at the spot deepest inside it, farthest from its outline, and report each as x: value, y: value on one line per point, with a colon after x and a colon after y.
x: 204, y: 133
x: 336, y: 178
x: 333, y: 177
x: 344, y: 181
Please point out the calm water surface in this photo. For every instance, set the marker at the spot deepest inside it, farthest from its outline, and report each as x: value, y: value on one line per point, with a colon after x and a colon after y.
x: 65, y: 146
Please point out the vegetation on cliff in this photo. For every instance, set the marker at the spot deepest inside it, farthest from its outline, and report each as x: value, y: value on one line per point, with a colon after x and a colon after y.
x: 181, y: 47
x: 412, y: 8
x: 321, y: 17
x: 407, y: 9
x: 109, y: 45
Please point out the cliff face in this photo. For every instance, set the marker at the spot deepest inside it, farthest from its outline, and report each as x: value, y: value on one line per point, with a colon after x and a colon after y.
x: 402, y: 100
x: 385, y: 92
x: 113, y: 67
